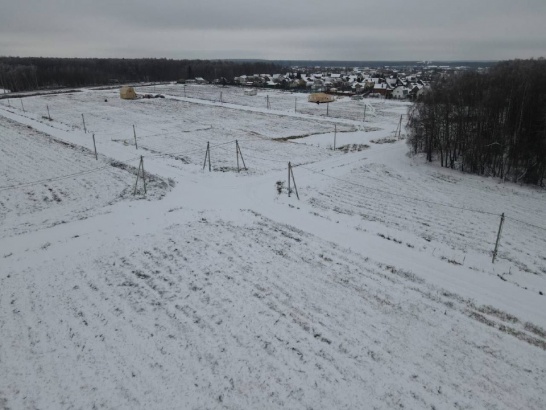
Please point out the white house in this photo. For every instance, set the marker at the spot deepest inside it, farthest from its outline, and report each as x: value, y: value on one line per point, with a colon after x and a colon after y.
x: 400, y: 92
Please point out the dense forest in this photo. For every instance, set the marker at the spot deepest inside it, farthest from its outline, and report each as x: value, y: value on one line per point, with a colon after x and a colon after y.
x: 29, y: 73
x: 491, y: 123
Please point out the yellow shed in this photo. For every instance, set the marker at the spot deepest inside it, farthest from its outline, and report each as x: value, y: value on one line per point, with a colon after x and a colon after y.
x: 320, y: 98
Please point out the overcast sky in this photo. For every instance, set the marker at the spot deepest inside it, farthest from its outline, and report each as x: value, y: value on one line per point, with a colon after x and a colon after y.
x: 276, y: 29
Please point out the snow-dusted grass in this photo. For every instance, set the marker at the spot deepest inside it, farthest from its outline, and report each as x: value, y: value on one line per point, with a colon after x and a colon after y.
x: 219, y: 292
x: 29, y: 156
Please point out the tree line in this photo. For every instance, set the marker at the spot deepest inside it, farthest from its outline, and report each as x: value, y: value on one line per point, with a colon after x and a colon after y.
x: 31, y: 73
x: 491, y: 123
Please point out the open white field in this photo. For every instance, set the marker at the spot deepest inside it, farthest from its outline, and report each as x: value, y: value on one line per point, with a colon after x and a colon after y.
x: 374, y: 290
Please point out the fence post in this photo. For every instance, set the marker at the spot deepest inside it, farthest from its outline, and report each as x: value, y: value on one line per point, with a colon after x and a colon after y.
x: 498, y: 238
x: 237, y: 154
x: 289, y: 167
x: 143, y: 174
x: 335, y: 135
x: 22, y: 106
x: 84, y: 128
x: 48, y: 116
x: 134, y: 134
x: 294, y: 181
x: 207, y: 155
x: 95, y: 145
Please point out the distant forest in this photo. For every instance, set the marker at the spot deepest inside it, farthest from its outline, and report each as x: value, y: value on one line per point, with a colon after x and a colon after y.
x: 31, y: 73
x: 492, y: 123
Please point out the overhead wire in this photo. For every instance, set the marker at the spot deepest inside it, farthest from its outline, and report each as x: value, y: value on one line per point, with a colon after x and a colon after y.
x: 399, y: 195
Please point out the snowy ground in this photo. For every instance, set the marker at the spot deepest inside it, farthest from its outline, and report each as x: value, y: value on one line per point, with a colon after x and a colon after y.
x: 374, y: 290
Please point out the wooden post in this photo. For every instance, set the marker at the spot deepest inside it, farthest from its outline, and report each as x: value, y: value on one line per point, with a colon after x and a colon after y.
x: 22, y: 106
x: 294, y: 181
x: 140, y: 166
x: 184, y: 90
x: 9, y: 103
x: 137, y: 175
x: 295, y: 104
x: 498, y: 238
x: 221, y: 97
x: 400, y: 126
x: 134, y: 135
x: 143, y: 174
x: 207, y: 155
x: 95, y: 145
x: 48, y: 116
x: 241, y: 154
x: 335, y: 135
x: 327, y: 107
x: 365, y: 105
x: 237, y: 154
x: 289, y: 167
x: 84, y: 128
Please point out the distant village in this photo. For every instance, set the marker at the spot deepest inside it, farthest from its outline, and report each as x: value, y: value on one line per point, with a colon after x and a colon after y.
x: 401, y: 83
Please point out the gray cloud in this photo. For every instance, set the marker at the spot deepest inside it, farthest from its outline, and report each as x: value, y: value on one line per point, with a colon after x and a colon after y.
x: 284, y: 29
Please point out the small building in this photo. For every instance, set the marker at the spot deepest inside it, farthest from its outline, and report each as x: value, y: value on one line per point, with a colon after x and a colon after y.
x: 320, y: 98
x: 401, y: 92
x: 127, y: 93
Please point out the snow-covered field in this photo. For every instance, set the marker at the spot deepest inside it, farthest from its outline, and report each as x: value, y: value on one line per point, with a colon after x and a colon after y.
x: 374, y: 290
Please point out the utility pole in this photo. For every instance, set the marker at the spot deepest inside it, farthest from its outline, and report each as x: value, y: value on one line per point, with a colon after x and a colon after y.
x: 134, y: 135
x: 207, y: 156
x: 239, y: 153
x: 498, y: 238
x: 291, y: 175
x: 95, y: 145
x: 140, y: 167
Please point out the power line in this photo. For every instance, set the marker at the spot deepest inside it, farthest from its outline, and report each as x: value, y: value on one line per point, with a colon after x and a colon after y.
x: 59, y: 178
x: 526, y: 223
x: 399, y: 195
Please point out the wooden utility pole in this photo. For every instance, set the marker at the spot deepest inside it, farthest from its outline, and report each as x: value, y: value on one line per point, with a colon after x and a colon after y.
x: 140, y: 167
x: 239, y: 153
x: 84, y: 128
x: 207, y: 156
x: 134, y: 135
x: 291, y: 176
x: 498, y: 238
x: 95, y: 145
